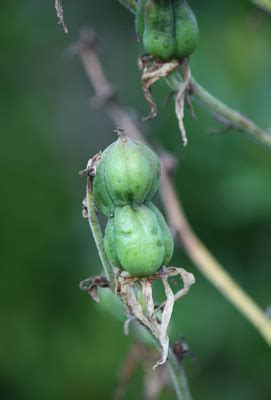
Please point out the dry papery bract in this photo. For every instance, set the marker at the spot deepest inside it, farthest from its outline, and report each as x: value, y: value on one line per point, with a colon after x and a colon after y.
x: 137, y: 297
x: 152, y: 71
x: 142, y: 308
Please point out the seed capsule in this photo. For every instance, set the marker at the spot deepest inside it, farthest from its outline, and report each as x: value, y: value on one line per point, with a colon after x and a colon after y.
x: 128, y: 173
x: 186, y: 29
x: 159, y: 32
x: 168, y: 28
x: 138, y: 241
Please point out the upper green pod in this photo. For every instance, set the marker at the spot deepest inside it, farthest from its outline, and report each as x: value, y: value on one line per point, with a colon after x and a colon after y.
x: 128, y: 173
x: 186, y: 29
x: 159, y: 29
x: 168, y: 28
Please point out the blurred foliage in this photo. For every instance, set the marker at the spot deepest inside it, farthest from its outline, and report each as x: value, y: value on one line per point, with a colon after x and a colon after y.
x: 55, y: 342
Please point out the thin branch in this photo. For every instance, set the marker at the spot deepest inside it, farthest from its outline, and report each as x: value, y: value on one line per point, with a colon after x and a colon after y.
x: 176, y: 370
x: 234, y: 118
x: 60, y: 14
x: 231, y: 117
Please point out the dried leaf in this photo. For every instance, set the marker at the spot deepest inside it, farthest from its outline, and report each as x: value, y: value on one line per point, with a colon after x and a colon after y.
x: 187, y: 278
x: 166, y: 316
x: 147, y: 294
x: 146, y: 315
x: 152, y: 71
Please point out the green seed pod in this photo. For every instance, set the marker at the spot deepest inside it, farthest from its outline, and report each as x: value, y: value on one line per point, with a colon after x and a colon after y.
x: 167, y: 237
x: 168, y: 28
x: 159, y: 34
x: 128, y: 173
x: 100, y: 191
x: 138, y: 240
x: 186, y: 29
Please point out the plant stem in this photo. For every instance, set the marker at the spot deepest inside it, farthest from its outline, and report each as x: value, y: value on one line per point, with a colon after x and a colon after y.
x: 228, y: 115
x: 178, y: 377
x: 98, y: 237
x: 177, y: 373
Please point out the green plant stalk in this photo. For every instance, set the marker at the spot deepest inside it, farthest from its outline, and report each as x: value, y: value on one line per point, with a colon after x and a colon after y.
x: 98, y: 237
x: 176, y: 371
x: 178, y: 377
x: 227, y: 114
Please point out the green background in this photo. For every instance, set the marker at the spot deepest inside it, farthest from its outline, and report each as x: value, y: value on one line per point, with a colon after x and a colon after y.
x: 55, y: 343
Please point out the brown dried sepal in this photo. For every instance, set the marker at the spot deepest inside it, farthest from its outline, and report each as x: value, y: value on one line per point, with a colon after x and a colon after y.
x: 142, y: 307
x: 152, y: 71
x: 90, y: 285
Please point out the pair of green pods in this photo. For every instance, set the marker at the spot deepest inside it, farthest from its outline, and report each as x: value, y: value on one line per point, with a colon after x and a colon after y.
x: 168, y: 28
x: 137, y: 238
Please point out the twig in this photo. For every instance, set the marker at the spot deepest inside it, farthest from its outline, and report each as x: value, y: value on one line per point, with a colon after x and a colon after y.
x: 227, y: 114
x: 60, y: 14
x: 234, y: 118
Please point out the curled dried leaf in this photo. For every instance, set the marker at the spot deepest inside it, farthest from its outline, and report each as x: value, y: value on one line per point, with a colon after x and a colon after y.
x: 165, y: 320
x: 187, y: 278
x: 141, y: 307
x: 90, y: 285
x: 152, y: 71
